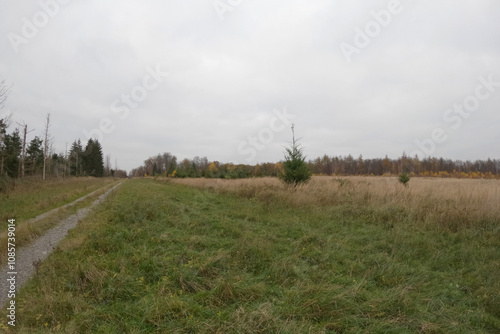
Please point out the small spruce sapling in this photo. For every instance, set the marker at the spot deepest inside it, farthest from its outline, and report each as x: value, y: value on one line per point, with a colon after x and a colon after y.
x: 404, y: 178
x: 295, y: 170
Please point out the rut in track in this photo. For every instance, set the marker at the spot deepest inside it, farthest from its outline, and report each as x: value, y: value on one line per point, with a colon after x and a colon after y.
x: 29, y: 257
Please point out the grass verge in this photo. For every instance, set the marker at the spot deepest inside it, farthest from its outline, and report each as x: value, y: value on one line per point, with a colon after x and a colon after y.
x: 167, y: 258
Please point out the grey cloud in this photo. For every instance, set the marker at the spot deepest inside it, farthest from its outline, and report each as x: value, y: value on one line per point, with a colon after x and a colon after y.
x: 227, y: 77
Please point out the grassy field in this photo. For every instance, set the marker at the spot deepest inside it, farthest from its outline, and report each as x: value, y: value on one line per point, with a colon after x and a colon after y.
x: 32, y: 197
x: 340, y: 255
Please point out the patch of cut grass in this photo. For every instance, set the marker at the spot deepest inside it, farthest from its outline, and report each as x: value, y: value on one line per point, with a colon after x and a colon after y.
x: 166, y: 258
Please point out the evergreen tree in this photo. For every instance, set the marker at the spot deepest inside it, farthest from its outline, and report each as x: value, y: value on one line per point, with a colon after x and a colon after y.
x: 75, y: 158
x: 93, y: 161
x: 404, y: 178
x: 11, y: 152
x: 295, y: 170
x: 34, y: 154
x: 3, y: 132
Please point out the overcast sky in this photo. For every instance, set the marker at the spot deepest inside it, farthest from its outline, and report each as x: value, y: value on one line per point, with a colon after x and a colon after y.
x: 225, y: 79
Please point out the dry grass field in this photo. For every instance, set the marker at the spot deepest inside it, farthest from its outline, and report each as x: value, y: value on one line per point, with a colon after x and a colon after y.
x: 450, y: 203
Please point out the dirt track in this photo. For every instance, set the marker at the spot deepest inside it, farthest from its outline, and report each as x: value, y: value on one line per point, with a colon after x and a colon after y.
x: 28, y: 257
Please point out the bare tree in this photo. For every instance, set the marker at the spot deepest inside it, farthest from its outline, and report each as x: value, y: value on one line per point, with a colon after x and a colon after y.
x: 65, y: 159
x: 23, y: 154
x: 4, y: 121
x: 107, y: 165
x: 46, y: 143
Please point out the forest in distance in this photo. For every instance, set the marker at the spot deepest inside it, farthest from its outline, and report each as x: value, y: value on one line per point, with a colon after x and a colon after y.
x: 19, y: 158
x: 167, y: 164
x: 38, y: 158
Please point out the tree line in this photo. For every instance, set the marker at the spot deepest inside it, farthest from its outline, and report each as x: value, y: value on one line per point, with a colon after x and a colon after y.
x: 19, y: 159
x: 37, y: 157
x: 428, y: 166
x: 166, y: 164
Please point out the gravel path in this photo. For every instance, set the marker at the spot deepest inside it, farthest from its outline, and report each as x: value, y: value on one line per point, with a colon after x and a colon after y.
x: 28, y: 257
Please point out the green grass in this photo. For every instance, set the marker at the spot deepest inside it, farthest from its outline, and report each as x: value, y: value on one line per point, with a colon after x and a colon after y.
x: 27, y: 231
x: 32, y: 197
x: 165, y: 258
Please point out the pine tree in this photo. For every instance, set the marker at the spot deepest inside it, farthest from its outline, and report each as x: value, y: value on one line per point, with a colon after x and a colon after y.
x: 75, y: 158
x: 93, y: 161
x: 34, y: 155
x: 11, y: 152
x: 295, y: 170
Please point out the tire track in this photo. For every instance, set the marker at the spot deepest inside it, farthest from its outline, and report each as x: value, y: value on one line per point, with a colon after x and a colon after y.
x: 29, y: 257
x: 52, y: 211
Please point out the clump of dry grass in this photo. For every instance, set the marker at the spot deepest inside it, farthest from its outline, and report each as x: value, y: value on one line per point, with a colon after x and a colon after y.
x: 450, y: 203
